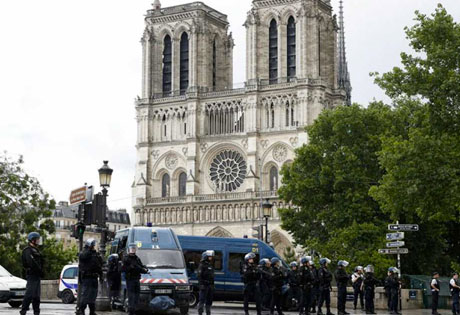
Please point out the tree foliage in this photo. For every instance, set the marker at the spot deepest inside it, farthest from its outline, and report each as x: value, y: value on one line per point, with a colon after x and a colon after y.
x: 25, y: 207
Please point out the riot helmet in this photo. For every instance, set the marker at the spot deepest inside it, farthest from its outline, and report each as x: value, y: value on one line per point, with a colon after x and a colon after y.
x: 324, y: 261
x: 369, y: 268
x: 132, y: 249
x: 206, y: 254
x: 249, y: 256
x: 90, y: 242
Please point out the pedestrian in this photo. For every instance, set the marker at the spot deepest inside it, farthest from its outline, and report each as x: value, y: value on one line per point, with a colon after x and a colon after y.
x: 133, y: 267
x: 206, y: 282
x: 342, y: 277
x: 264, y: 283
x: 113, y: 278
x: 90, y: 266
x: 250, y: 277
x: 306, y: 282
x: 435, y: 288
x: 277, y: 282
x: 388, y: 290
x: 295, y: 291
x: 454, y: 287
x: 357, y: 281
x: 325, y: 278
x: 394, y: 285
x: 315, y: 287
x: 368, y: 285
x: 32, y: 262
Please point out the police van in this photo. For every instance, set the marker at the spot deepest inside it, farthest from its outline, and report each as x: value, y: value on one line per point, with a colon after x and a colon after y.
x: 68, y: 284
x: 229, y: 255
x: 159, y: 249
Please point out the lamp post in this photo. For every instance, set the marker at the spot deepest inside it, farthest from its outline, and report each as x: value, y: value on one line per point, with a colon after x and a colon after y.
x: 267, y: 209
x: 105, y: 177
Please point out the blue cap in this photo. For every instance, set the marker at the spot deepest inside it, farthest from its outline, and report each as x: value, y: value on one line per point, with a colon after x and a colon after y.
x: 32, y: 236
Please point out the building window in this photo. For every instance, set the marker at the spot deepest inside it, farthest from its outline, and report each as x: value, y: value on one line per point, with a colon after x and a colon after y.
x: 228, y: 170
x: 291, y: 62
x: 273, y: 52
x: 224, y: 118
x: 165, y: 184
x: 273, y: 178
x: 183, y: 63
x: 214, y: 65
x: 182, y: 184
x: 167, y: 65
x: 272, y: 114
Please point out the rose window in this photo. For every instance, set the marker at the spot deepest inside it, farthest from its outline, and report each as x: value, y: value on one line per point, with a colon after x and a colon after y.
x: 228, y: 170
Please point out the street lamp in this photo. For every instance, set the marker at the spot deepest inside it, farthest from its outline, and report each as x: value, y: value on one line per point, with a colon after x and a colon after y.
x: 105, y: 177
x: 267, y: 209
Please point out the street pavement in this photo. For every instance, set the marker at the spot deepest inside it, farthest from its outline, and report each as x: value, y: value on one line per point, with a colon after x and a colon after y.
x: 218, y: 309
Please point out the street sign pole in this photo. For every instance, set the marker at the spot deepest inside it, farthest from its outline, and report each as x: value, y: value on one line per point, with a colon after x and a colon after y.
x: 400, y: 273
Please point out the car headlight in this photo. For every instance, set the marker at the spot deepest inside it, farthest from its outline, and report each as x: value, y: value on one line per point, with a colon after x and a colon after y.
x: 183, y: 288
x: 145, y: 288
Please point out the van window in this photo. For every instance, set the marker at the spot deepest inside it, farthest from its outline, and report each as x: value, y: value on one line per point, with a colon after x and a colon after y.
x: 195, y: 256
x: 235, y: 261
x: 70, y: 273
x: 154, y: 239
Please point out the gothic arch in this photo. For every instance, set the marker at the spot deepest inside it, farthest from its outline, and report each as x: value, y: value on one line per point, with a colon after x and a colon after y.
x: 270, y: 149
x: 181, y: 162
x: 165, y: 30
x: 159, y: 174
x: 269, y: 16
x: 287, y: 12
x: 280, y: 241
x: 181, y: 28
x: 219, y: 231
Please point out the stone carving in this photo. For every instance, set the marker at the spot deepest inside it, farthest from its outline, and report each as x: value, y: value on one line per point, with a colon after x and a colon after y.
x: 264, y: 143
x: 204, y: 147
x: 294, y: 141
x: 185, y: 150
x: 280, y: 153
x: 171, y: 161
x: 244, y: 142
x: 156, y: 154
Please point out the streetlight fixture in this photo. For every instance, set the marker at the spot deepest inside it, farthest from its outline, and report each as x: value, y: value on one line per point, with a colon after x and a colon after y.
x: 267, y: 209
x: 105, y: 175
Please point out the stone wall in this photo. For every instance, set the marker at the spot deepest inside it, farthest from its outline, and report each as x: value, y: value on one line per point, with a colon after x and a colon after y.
x: 49, y: 289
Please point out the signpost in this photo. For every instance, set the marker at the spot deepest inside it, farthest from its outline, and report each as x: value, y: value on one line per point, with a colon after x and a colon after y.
x: 394, y: 251
x: 395, y: 236
x: 403, y: 227
x: 78, y: 195
x: 396, y: 244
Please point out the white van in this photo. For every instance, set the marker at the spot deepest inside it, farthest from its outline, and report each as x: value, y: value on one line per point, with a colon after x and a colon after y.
x: 68, y: 284
x: 12, y: 289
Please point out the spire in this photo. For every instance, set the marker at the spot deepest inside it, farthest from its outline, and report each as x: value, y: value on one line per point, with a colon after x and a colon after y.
x: 156, y: 5
x: 344, y: 75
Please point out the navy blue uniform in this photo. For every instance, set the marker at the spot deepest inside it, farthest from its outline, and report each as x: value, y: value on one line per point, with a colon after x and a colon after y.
x: 90, y: 266
x: 264, y: 286
x: 369, y: 284
x: 306, y: 282
x: 341, y: 277
x: 357, y: 281
x: 276, y: 286
x: 32, y: 263
x: 206, y: 284
x: 315, y: 292
x: 454, y: 291
x: 250, y: 276
x: 325, y: 278
x: 434, y: 295
x: 393, y: 286
x: 133, y: 268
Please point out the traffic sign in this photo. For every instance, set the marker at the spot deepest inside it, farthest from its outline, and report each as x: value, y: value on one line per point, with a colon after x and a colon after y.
x: 403, y: 227
x: 393, y: 251
x: 78, y: 195
x: 395, y: 236
x: 396, y: 244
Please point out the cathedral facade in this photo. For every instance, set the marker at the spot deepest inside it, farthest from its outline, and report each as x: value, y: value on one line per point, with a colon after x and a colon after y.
x: 208, y: 154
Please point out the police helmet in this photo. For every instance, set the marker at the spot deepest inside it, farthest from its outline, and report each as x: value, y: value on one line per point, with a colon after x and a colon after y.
x: 393, y: 269
x: 369, y: 268
x: 206, y: 254
x: 32, y: 236
x: 304, y: 260
x: 262, y: 262
x: 90, y: 242
x: 293, y: 264
x: 359, y: 268
x: 132, y: 248
x: 275, y: 260
x: 112, y: 258
x: 324, y: 261
x: 249, y: 256
x: 343, y: 263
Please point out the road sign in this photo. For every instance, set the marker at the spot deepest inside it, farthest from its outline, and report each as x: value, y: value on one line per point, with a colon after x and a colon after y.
x: 403, y: 227
x: 78, y: 195
x: 395, y: 236
x: 393, y: 251
x: 396, y: 244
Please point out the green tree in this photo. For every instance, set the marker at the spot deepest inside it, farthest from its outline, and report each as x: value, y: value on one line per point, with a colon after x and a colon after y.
x: 25, y: 207
x: 329, y: 181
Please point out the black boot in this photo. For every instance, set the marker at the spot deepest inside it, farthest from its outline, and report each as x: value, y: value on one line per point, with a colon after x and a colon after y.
x: 329, y: 311
x: 92, y: 309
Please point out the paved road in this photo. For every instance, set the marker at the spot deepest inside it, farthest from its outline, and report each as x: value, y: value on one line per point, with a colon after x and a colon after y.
x: 220, y: 309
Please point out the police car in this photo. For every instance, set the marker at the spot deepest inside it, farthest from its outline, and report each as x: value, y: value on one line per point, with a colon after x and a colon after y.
x: 68, y: 284
x: 12, y: 289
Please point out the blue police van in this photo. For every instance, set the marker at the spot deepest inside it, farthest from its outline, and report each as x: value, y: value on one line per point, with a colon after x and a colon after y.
x: 229, y: 256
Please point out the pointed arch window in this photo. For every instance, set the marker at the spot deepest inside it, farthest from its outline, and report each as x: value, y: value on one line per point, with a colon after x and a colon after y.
x: 291, y: 48
x: 273, y: 52
x: 273, y: 178
x: 184, y: 64
x: 214, y: 65
x: 167, y: 65
x: 182, y: 184
x: 165, y: 185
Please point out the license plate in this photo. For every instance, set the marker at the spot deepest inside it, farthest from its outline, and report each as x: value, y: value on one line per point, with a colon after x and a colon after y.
x: 163, y: 291
x: 19, y: 292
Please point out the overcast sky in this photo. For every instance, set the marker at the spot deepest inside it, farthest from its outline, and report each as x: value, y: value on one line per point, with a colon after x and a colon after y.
x: 70, y: 70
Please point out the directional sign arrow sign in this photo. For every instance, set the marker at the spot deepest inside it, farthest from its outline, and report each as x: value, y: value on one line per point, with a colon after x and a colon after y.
x: 403, y: 227
x: 396, y: 244
x: 393, y: 251
x: 395, y: 236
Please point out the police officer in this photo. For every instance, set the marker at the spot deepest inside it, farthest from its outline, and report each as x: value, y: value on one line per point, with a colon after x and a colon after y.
x: 133, y: 268
x: 315, y: 287
x: 325, y: 278
x: 206, y: 282
x: 455, y: 291
x: 393, y: 284
x: 32, y: 263
x: 357, y: 281
x: 113, y: 277
x: 250, y: 277
x: 388, y: 290
x: 277, y: 282
x: 90, y: 266
x: 293, y: 277
x: 264, y: 283
x: 368, y: 285
x: 306, y: 282
x: 435, y: 287
x: 342, y: 277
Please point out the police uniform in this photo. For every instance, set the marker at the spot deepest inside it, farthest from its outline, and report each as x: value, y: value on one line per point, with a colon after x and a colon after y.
x: 32, y: 263
x: 276, y: 286
x: 314, y: 289
x: 90, y: 266
x: 325, y: 278
x: 133, y: 268
x: 435, y: 287
x: 393, y: 284
x: 388, y: 292
x: 264, y: 286
x: 295, y: 291
x: 113, y: 277
x: 206, y: 284
x: 306, y: 282
x: 250, y: 277
x: 357, y: 281
x: 454, y: 291
x: 369, y: 283
x: 341, y: 277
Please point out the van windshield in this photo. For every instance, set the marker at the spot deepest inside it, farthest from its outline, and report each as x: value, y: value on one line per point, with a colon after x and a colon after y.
x: 166, y: 259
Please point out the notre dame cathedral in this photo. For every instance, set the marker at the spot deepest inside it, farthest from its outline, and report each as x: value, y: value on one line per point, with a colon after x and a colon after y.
x: 209, y: 153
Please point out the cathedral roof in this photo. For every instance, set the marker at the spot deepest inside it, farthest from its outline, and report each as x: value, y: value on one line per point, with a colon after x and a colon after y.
x: 186, y: 8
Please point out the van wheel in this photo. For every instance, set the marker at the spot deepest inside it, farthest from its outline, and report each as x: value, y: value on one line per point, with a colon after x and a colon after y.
x: 183, y: 310
x: 67, y: 297
x: 15, y: 304
x: 193, y: 301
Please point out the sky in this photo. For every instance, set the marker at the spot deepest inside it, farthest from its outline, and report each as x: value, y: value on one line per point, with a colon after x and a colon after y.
x: 70, y: 70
